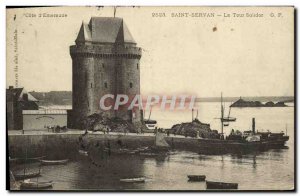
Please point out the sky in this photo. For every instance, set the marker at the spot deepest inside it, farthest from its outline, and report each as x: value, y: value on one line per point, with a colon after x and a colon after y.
x: 203, y: 56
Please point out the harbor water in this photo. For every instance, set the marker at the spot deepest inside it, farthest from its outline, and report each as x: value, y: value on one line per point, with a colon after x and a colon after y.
x: 271, y: 170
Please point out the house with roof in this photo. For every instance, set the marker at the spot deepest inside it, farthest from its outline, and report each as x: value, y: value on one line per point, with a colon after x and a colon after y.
x: 17, y: 100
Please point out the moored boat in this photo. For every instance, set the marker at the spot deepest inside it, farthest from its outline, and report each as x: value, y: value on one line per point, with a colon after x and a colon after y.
x: 221, y: 185
x: 27, y: 175
x: 265, y: 140
x: 27, y: 160
x: 54, y: 162
x: 30, y: 185
x: 122, y: 151
x: 150, y: 124
x: 149, y: 121
x: 133, y: 180
x: 228, y: 119
x: 149, y: 154
x: 160, y: 147
x: 160, y: 143
x: 196, y: 178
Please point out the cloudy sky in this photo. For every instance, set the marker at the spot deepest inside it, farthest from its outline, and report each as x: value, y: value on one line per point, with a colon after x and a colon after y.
x: 247, y: 56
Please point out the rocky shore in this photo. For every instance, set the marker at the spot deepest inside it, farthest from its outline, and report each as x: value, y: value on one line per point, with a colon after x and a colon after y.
x: 243, y: 103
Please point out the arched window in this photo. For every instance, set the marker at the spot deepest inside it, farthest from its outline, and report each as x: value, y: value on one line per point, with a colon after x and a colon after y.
x: 105, y: 84
x: 137, y: 66
x: 130, y: 84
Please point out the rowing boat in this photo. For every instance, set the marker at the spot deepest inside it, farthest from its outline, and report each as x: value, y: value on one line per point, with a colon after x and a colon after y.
x: 30, y: 185
x: 27, y: 175
x: 221, y: 185
x: 54, y: 162
x: 196, y: 178
x: 133, y: 180
x: 27, y: 160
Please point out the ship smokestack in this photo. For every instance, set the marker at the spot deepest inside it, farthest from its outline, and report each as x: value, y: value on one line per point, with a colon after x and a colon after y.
x: 253, y: 125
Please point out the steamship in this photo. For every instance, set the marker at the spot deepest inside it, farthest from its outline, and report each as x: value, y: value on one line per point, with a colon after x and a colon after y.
x: 241, y: 142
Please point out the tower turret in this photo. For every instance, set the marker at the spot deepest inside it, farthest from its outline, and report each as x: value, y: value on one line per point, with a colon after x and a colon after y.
x: 105, y: 60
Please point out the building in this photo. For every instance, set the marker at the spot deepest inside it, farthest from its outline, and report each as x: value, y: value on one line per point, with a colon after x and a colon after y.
x: 42, y: 119
x: 105, y: 60
x: 17, y: 100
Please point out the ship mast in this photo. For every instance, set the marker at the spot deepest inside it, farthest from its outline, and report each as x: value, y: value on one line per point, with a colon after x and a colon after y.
x: 222, y: 114
x: 192, y: 114
x: 115, y: 10
x: 150, y: 113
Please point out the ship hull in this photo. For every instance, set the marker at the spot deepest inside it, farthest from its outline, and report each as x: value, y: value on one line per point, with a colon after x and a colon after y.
x: 218, y: 147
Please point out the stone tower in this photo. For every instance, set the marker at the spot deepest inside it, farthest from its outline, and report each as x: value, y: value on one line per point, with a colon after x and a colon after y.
x: 105, y: 60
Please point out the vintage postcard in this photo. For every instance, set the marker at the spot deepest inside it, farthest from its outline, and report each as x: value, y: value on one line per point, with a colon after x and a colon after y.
x: 150, y: 98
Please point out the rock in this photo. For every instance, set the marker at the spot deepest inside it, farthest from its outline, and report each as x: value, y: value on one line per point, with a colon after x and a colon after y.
x: 280, y: 104
x: 243, y: 103
x: 101, y: 122
x: 269, y: 104
x: 193, y: 129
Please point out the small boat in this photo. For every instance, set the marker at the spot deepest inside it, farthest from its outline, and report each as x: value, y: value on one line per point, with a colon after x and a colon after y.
x: 27, y: 175
x: 133, y: 180
x: 160, y: 143
x: 141, y: 149
x: 27, y: 160
x: 84, y: 153
x: 228, y: 119
x: 150, y: 122
x: 196, y: 178
x: 123, y: 151
x: 54, y: 162
x: 225, y: 118
x: 160, y: 147
x: 149, y: 154
x: 150, y: 125
x: 30, y: 185
x: 221, y: 185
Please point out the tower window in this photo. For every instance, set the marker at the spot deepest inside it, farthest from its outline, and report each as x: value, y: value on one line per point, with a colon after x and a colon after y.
x: 103, y: 65
x: 130, y: 84
x: 105, y: 84
x: 91, y: 85
x: 137, y: 66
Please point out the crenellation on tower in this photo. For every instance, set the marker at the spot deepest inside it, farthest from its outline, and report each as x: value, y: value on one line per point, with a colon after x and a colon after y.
x: 106, y: 52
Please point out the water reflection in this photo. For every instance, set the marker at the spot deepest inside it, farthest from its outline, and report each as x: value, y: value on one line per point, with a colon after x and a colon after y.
x: 159, y: 160
x: 105, y: 173
x: 254, y: 162
x: 267, y: 170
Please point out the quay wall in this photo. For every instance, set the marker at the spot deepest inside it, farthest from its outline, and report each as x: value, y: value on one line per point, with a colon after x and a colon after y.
x: 58, y: 146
